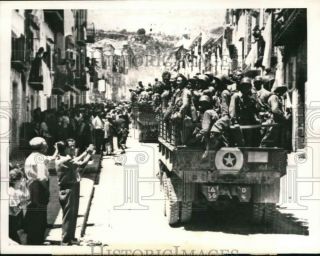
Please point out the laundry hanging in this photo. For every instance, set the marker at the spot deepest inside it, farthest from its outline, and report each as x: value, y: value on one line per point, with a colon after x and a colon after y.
x: 47, y: 82
x: 267, y: 36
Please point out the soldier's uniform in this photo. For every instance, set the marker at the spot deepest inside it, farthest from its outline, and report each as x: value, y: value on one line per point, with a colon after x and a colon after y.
x: 274, y: 135
x: 165, y: 99
x: 221, y: 101
x: 209, y: 117
x: 181, y: 102
x: 212, y: 127
x: 181, y: 110
x: 263, y: 95
x: 144, y: 96
x: 243, y: 111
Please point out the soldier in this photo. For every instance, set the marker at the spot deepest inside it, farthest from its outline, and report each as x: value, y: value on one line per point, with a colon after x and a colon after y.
x: 144, y: 96
x: 273, y: 137
x: 243, y: 111
x: 262, y: 95
x: 180, y: 104
x: 221, y: 99
x: 133, y: 96
x: 237, y: 76
x: 166, y: 94
x: 212, y: 127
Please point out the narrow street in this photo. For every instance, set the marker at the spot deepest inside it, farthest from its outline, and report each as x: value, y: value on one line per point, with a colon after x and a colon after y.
x: 139, y: 222
x: 208, y: 112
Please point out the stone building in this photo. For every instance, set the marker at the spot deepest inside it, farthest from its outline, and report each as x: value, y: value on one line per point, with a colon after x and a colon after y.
x: 110, y: 61
x: 48, y: 64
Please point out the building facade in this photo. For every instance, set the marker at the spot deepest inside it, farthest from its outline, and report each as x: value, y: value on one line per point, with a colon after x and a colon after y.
x: 109, y: 66
x: 48, y: 64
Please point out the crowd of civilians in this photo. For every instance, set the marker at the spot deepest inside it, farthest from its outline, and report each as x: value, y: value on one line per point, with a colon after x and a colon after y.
x: 67, y: 137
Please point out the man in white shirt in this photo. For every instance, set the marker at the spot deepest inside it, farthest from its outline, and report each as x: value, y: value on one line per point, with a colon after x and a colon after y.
x: 36, y: 169
x: 98, y: 134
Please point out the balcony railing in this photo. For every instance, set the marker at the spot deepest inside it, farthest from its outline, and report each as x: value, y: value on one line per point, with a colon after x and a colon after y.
x: 18, y: 54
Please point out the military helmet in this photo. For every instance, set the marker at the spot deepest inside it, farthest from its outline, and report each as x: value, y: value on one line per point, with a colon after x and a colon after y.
x: 280, y: 89
x: 223, y: 79
x: 258, y: 79
x: 205, y: 98
x: 204, y: 78
x: 246, y: 81
x: 210, y: 76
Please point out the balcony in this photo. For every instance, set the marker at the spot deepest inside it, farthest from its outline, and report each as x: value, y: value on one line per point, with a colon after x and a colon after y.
x: 290, y: 25
x: 18, y: 54
x: 91, y: 33
x: 39, y: 76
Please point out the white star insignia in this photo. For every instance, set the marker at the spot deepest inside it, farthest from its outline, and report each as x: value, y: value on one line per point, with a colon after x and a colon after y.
x: 229, y: 160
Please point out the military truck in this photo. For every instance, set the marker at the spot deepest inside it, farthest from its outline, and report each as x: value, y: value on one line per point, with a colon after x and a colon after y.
x: 145, y: 119
x: 245, y: 175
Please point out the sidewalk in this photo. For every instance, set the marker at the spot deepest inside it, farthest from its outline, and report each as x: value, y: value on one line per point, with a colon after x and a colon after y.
x: 86, y: 194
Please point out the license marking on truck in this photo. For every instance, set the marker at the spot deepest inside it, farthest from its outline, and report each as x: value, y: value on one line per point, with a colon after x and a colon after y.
x: 257, y: 157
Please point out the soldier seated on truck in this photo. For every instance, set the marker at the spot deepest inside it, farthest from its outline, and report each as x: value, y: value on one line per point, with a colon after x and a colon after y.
x: 275, y: 135
x: 221, y: 99
x: 166, y: 90
x: 212, y: 127
x: 243, y: 111
x: 133, y: 95
x: 180, y: 105
x: 144, y: 96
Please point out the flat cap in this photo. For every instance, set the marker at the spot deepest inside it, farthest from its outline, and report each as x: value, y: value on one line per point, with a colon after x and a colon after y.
x: 37, y: 142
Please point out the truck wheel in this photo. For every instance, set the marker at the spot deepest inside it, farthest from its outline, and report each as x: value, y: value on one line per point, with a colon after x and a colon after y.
x: 269, y: 213
x: 263, y: 213
x: 171, y: 203
x: 257, y: 213
x: 186, y: 211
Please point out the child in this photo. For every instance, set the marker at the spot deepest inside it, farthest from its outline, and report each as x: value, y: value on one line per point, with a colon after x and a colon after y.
x: 18, y: 200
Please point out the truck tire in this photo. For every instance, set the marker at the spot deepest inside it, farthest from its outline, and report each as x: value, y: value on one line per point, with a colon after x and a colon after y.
x: 263, y: 213
x: 186, y: 211
x: 269, y: 213
x: 257, y: 213
x: 172, y: 208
